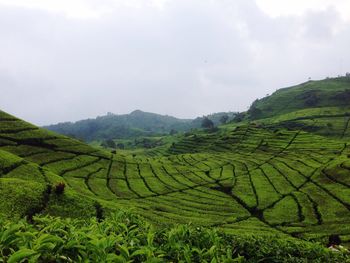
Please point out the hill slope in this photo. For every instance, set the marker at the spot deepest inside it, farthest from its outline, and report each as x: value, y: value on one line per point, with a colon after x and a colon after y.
x: 245, y: 179
x: 328, y: 93
x: 320, y: 107
x: 33, y: 161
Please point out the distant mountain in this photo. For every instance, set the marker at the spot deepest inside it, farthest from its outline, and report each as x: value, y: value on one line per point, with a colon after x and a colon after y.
x: 136, y: 124
x: 112, y: 126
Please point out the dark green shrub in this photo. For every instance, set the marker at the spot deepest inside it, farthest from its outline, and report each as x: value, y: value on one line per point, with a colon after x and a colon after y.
x: 207, y: 123
x: 59, y: 188
x: 99, y: 212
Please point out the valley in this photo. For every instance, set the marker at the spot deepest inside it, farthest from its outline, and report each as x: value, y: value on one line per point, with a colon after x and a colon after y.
x: 281, y: 171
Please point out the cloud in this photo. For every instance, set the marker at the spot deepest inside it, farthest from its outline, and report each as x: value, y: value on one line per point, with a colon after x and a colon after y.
x: 183, y: 58
x: 275, y: 8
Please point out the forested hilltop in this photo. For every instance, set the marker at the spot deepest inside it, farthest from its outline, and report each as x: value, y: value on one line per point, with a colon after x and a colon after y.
x: 133, y: 125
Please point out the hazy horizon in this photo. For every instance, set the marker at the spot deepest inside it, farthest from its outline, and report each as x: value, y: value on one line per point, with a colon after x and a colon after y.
x: 72, y: 59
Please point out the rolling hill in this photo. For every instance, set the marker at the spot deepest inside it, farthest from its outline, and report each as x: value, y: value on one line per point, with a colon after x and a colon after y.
x: 320, y: 107
x: 270, y: 176
x: 329, y: 93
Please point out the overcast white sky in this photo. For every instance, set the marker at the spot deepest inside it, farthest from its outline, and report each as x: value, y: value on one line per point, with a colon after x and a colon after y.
x: 65, y: 60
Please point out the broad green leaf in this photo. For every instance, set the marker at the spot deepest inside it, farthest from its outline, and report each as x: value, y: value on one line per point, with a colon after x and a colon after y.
x: 115, y: 258
x: 22, y: 254
x: 124, y: 251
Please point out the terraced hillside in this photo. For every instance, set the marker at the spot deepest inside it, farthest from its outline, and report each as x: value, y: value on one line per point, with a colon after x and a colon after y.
x: 33, y: 160
x: 243, y: 179
x: 332, y: 95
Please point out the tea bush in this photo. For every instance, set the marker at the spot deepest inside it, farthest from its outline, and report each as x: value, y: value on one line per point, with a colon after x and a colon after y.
x: 124, y: 237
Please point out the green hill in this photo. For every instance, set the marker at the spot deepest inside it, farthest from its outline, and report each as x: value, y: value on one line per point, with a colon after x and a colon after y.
x: 328, y: 93
x: 321, y: 107
x: 243, y: 179
x: 34, y: 161
x: 270, y: 176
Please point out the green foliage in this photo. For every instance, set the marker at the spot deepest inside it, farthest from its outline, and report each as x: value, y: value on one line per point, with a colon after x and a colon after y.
x: 239, y: 117
x: 59, y: 188
x: 207, y: 123
x: 18, y: 197
x: 126, y: 238
x: 311, y: 98
x: 7, y: 160
x: 254, y: 112
x: 224, y: 118
x: 109, y: 144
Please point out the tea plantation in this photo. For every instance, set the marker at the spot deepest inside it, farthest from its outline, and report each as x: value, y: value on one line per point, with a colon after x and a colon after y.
x: 273, y: 176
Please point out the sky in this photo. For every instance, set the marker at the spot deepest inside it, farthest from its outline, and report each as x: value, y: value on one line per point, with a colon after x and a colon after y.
x: 66, y: 60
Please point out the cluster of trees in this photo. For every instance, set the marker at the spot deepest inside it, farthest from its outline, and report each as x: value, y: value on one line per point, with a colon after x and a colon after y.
x: 224, y: 119
x: 239, y: 117
x: 343, y: 97
x: 311, y: 98
x: 147, y: 142
x: 109, y: 144
x: 207, y: 123
x: 142, y: 142
x: 254, y: 112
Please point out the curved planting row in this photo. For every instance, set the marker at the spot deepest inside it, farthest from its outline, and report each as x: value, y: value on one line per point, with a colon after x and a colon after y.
x: 283, y: 184
x: 250, y: 179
